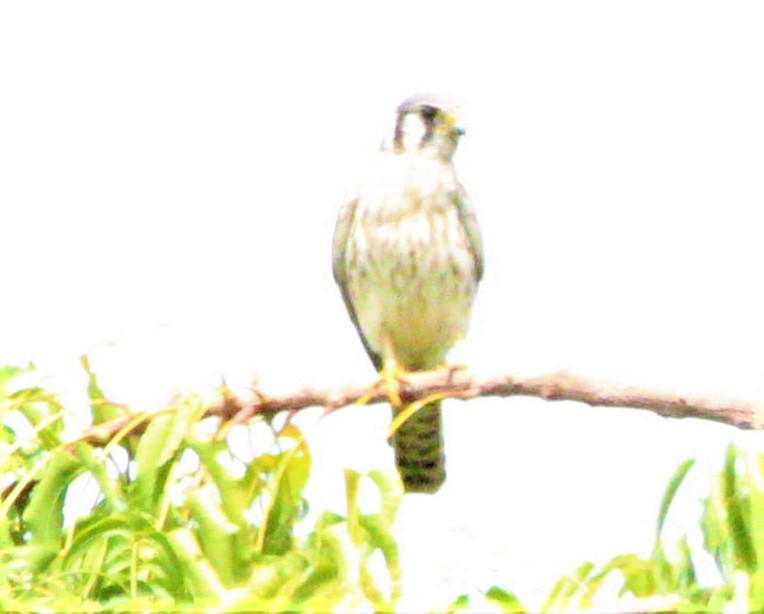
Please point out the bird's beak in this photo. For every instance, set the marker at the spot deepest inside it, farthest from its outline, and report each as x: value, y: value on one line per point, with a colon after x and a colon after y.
x: 453, y: 125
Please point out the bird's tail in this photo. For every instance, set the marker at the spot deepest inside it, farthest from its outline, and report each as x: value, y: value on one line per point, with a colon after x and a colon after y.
x: 418, y: 445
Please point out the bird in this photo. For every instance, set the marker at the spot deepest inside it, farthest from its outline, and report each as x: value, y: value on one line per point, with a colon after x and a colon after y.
x: 407, y: 255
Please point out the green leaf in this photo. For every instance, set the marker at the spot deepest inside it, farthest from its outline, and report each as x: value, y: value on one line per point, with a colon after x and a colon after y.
x: 593, y: 584
x: 129, y: 554
x: 26, y: 559
x: 7, y: 435
x: 663, y: 572
x: 217, y: 534
x: 7, y: 373
x: 160, y: 443
x: 756, y: 524
x: 170, y: 574
x: 566, y: 588
x: 720, y: 598
x: 100, y: 526
x: 671, y: 489
x: 508, y: 602
x: 43, y: 411
x: 286, y: 505
x: 202, y: 579
x: 391, y: 494
x: 44, y: 515
x: 639, y: 575
x: 352, y: 483
x: 101, y: 409
x: 685, y: 577
x: 111, y: 488
x: 328, y: 567
x: 236, y: 495
x: 738, y: 514
x: 462, y: 602
x: 713, y: 524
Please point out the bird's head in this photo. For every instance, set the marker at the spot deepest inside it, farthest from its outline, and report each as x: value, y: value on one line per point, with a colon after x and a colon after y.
x: 427, y: 124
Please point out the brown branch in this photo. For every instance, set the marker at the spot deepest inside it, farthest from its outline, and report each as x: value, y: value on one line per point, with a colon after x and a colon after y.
x: 461, y: 384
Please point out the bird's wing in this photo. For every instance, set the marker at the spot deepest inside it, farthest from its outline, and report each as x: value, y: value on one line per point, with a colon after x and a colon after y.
x: 469, y: 221
x: 339, y: 268
x: 340, y: 241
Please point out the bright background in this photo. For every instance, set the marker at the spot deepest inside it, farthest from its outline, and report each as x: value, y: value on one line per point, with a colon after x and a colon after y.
x: 170, y: 173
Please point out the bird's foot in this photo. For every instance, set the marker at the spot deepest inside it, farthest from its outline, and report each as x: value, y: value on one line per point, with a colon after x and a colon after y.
x: 389, y: 383
x: 390, y: 376
x: 405, y: 412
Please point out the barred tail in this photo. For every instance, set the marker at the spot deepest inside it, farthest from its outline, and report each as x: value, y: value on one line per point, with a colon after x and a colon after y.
x: 418, y: 444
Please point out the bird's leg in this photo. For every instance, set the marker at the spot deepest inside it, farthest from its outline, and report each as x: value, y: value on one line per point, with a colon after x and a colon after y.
x: 390, y: 374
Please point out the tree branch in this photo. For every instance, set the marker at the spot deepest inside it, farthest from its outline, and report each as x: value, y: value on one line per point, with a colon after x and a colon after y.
x: 461, y: 384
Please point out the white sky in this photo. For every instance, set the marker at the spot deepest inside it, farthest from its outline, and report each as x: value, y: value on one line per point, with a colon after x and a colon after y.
x: 170, y: 174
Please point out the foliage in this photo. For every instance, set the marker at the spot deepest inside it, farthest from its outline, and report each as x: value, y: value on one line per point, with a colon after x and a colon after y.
x: 170, y: 518
x: 732, y: 525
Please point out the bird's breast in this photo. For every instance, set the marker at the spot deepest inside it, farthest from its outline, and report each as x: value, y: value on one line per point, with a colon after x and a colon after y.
x: 414, y: 273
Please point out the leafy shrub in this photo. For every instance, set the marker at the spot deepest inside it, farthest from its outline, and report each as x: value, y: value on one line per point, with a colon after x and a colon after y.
x: 177, y: 521
x: 732, y: 525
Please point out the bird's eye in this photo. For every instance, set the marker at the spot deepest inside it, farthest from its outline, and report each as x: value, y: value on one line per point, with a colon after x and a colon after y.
x: 429, y: 113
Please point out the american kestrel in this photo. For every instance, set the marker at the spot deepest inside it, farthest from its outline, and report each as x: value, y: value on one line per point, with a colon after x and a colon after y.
x: 408, y: 256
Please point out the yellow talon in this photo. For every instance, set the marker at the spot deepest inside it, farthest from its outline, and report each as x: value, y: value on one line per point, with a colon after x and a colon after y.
x: 389, y: 375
